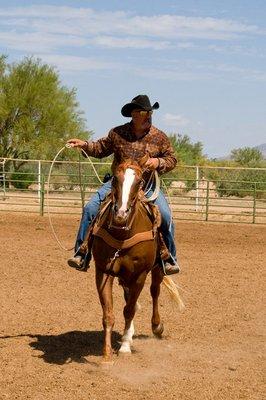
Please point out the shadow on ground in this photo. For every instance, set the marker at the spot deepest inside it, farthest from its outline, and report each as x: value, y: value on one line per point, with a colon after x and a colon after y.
x: 70, y: 346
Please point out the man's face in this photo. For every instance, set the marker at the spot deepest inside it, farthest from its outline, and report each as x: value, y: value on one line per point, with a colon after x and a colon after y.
x: 142, y: 119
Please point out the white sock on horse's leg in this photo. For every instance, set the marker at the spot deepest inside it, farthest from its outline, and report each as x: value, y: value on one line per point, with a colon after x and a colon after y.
x: 127, y: 339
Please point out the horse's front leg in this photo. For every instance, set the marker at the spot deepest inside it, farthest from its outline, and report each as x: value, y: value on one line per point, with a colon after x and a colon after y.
x: 104, y: 284
x: 157, y: 325
x: 129, y: 311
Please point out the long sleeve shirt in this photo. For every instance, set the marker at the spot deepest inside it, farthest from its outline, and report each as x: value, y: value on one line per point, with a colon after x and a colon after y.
x: 122, y: 142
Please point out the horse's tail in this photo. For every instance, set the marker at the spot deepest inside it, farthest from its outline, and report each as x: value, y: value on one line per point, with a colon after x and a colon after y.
x: 173, y: 291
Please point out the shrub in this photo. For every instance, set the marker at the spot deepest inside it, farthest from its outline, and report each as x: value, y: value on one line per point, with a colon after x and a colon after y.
x: 22, y: 180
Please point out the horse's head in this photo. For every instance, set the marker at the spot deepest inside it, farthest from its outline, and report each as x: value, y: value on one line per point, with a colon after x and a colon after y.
x: 126, y: 184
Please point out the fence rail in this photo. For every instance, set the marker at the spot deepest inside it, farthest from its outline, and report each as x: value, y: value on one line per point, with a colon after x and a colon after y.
x: 220, y: 194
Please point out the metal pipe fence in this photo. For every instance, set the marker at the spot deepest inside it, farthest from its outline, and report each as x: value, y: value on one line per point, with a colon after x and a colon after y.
x: 197, y: 193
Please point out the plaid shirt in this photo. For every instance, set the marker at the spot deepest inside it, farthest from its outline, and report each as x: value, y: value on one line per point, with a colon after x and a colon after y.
x: 122, y: 142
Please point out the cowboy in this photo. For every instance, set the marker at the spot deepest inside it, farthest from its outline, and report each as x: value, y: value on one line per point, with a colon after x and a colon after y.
x: 131, y: 141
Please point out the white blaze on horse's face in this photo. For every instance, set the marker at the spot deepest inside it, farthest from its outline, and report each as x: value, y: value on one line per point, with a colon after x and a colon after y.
x: 129, y: 178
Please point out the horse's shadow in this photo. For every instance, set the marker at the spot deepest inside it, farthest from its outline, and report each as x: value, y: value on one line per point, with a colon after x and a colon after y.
x: 71, y: 346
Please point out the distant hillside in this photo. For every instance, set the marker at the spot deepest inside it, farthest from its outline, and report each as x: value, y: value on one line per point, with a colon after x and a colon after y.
x: 260, y: 147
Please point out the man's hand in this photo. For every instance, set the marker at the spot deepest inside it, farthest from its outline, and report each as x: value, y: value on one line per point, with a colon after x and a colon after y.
x: 152, y: 163
x: 76, y: 143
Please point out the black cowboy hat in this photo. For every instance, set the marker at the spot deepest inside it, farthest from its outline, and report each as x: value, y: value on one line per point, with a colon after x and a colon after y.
x: 141, y: 101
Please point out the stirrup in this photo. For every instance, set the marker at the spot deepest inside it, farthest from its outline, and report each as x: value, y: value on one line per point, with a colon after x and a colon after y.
x: 170, y: 266
x: 79, y: 263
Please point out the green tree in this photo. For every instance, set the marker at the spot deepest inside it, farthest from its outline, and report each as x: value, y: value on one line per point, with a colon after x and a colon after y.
x: 247, y: 156
x: 37, y: 113
x: 187, y: 152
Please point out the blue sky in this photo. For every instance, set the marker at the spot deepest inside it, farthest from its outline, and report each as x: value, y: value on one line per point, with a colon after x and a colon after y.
x: 204, y: 61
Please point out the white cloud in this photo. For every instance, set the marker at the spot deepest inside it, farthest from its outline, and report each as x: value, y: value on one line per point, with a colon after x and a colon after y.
x: 53, y: 31
x: 136, y: 43
x: 175, y: 121
x: 172, y: 74
x: 73, y: 63
x: 240, y: 72
x: 46, y: 11
x: 175, y: 26
x: 37, y: 42
x: 85, y: 21
x: 175, y: 73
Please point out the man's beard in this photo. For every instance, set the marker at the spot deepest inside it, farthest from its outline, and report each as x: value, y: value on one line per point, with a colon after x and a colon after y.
x: 146, y: 124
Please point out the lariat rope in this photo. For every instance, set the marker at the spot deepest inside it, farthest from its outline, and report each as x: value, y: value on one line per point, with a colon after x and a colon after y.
x: 68, y: 146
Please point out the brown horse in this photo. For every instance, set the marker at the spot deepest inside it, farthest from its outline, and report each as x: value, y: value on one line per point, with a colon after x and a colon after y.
x: 125, y: 245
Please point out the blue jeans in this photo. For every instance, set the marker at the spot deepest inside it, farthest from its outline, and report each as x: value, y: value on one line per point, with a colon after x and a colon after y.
x: 92, y: 207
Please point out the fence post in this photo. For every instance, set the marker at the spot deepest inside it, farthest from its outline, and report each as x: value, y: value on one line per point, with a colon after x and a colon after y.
x: 81, y: 186
x: 39, y: 180
x: 82, y: 194
x: 207, y: 201
x: 4, y: 178
x: 42, y: 182
x: 254, y: 202
x: 197, y: 188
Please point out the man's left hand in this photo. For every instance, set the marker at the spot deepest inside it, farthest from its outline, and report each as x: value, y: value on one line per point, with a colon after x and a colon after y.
x: 152, y: 163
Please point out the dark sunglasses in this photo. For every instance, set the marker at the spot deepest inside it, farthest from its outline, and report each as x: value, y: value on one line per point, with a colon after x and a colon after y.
x: 143, y: 113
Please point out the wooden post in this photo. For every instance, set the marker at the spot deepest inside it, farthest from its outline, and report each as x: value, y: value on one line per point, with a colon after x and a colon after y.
x: 254, y: 202
x: 207, y: 201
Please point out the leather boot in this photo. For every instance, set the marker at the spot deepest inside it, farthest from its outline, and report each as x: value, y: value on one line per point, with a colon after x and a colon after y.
x: 170, y: 267
x: 79, y: 263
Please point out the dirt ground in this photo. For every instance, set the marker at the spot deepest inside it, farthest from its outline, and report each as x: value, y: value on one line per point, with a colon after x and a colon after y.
x: 50, y: 330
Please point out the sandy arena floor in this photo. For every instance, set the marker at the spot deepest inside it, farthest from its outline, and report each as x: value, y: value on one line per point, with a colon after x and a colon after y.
x: 50, y: 331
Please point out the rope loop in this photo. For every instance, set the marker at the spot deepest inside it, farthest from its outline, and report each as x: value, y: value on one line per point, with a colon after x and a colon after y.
x: 67, y: 146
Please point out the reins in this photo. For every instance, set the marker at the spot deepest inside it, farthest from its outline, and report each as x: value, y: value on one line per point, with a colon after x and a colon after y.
x: 154, y: 178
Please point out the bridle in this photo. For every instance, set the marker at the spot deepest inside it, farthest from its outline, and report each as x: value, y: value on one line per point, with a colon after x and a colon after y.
x: 153, y: 180
x: 130, y: 210
x: 130, y: 215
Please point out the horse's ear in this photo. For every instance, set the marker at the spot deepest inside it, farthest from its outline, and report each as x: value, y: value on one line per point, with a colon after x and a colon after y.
x: 144, y: 159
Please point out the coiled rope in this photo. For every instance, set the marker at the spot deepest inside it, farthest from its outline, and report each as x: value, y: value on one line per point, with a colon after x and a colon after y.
x: 67, y: 146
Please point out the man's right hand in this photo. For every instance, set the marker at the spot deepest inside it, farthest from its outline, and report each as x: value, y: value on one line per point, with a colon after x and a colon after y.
x: 76, y: 143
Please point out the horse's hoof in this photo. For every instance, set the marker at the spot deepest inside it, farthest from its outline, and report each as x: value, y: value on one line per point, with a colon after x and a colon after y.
x: 125, y: 349
x: 158, y: 330
x: 107, y: 359
x: 107, y: 356
x: 124, y: 352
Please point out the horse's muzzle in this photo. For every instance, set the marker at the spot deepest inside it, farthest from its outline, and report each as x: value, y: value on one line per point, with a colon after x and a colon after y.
x: 121, y: 217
